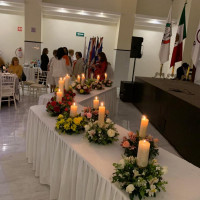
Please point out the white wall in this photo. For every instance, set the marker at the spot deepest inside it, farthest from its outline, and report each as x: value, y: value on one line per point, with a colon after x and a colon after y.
x: 10, y: 38
x: 150, y: 63
x: 59, y: 33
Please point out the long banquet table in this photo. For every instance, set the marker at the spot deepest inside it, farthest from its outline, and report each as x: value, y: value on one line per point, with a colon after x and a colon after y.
x: 107, y: 95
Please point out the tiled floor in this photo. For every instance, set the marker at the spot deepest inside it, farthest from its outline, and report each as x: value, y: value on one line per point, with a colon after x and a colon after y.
x: 17, y: 180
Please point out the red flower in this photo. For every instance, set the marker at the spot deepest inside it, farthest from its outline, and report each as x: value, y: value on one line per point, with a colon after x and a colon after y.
x: 69, y: 103
x: 66, y: 109
x: 53, y: 103
x: 52, y: 99
x: 68, y: 98
x: 57, y: 109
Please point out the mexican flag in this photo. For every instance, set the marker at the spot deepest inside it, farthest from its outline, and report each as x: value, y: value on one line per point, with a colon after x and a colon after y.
x: 165, y: 45
x: 180, y: 36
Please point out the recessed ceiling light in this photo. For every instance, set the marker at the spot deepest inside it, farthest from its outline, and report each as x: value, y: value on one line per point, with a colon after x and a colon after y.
x: 62, y: 10
x: 82, y: 13
x: 154, y: 21
x: 3, y: 3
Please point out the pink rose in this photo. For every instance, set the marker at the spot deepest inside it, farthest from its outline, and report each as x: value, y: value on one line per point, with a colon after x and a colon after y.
x: 155, y: 140
x: 126, y: 144
x: 89, y: 115
x: 130, y: 134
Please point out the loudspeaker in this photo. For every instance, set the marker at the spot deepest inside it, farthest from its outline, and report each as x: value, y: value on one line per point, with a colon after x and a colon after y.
x: 136, y: 45
x: 126, y: 91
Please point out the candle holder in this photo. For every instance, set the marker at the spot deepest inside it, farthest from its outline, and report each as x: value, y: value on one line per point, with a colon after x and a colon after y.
x: 105, y: 134
x: 134, y: 179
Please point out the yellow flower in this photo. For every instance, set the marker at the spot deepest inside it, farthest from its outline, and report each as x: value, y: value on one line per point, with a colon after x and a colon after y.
x: 62, y: 121
x: 81, y: 91
x: 57, y: 125
x: 67, y: 126
x: 73, y: 127
x: 69, y: 120
x: 77, y: 120
x: 56, y: 89
x: 70, y: 87
x: 60, y: 116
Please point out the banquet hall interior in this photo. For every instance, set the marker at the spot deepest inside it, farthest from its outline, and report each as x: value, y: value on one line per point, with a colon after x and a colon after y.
x: 142, y: 97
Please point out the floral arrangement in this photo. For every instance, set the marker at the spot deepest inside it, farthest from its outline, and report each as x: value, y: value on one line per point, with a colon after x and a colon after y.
x: 97, y: 85
x: 33, y: 62
x: 89, y: 81
x: 92, y: 114
x: 55, y: 108
x: 140, y: 182
x: 74, y: 84
x: 107, y: 83
x: 83, y: 89
x: 105, y: 134
x: 70, y: 125
x: 131, y: 144
x: 67, y: 93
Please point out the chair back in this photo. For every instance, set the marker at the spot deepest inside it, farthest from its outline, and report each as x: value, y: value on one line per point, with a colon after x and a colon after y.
x: 42, y: 77
x: 7, y: 86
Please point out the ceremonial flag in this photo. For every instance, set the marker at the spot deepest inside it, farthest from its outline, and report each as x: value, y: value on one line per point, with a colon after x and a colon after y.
x: 84, y: 50
x: 165, y: 45
x: 88, y: 52
x: 180, y: 36
x: 93, y: 52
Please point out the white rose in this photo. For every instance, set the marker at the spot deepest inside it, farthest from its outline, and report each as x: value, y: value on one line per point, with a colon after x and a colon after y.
x: 108, y: 120
x: 164, y: 169
x: 111, y: 133
x: 92, y: 132
x: 122, y: 163
x: 87, y: 127
x: 73, y: 84
x: 130, y: 188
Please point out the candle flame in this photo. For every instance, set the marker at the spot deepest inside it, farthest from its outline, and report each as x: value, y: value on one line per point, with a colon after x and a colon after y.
x: 96, y: 98
x: 60, y: 79
x: 105, y: 74
x: 101, y: 103
x: 78, y: 76
x: 74, y: 103
x: 144, y: 141
x: 144, y: 117
x: 59, y: 90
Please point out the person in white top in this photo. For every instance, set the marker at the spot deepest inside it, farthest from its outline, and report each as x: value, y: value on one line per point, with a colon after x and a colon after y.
x: 59, y: 67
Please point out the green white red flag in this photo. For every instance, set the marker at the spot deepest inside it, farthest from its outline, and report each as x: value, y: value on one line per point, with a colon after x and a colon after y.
x: 165, y: 45
x: 180, y: 36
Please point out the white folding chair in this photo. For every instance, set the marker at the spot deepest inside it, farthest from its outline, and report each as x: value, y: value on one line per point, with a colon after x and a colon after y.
x: 7, y: 89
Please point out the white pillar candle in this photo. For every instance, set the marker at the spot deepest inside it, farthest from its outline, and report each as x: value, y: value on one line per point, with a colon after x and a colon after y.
x: 83, y: 79
x: 59, y: 96
x: 67, y: 80
x: 106, y: 76
x: 101, y: 114
x: 61, y: 83
x: 98, y: 78
x: 143, y: 153
x: 143, y: 126
x: 96, y: 103
x: 78, y: 79
x: 73, y: 110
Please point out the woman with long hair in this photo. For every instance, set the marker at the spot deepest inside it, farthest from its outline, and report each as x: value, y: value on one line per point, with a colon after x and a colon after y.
x: 44, y: 59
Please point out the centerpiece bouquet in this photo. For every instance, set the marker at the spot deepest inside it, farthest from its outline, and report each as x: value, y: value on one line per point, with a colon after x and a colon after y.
x: 70, y: 125
x: 107, y: 83
x: 130, y: 145
x: 83, y: 88
x: 137, y: 181
x: 92, y: 114
x: 104, y: 134
x: 97, y: 85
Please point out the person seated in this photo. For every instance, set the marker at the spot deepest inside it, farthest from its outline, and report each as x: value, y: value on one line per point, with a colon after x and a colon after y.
x: 101, y: 66
x: 15, y: 68
x: 182, y: 71
x: 78, y: 65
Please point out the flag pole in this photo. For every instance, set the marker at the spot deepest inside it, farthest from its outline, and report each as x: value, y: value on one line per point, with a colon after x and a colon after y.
x: 172, y: 71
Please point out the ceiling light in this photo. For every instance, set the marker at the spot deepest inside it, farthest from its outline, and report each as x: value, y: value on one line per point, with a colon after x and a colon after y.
x: 62, y: 10
x: 154, y: 21
x: 82, y: 13
x: 3, y: 3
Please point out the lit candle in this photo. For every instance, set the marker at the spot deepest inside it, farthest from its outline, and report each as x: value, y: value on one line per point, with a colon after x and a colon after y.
x: 98, y: 77
x: 106, y: 76
x: 67, y: 80
x: 143, y: 126
x: 96, y: 103
x: 59, y: 96
x: 143, y: 153
x: 73, y: 110
x: 61, y: 83
x: 78, y: 79
x: 101, y: 114
x: 83, y: 79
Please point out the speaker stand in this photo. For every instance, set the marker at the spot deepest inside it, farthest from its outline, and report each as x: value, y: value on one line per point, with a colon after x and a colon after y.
x: 133, y: 69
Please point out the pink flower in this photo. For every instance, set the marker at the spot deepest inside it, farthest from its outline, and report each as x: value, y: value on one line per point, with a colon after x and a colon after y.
x: 126, y: 144
x: 107, y: 112
x: 89, y: 115
x: 155, y: 140
x: 85, y: 109
x: 130, y: 134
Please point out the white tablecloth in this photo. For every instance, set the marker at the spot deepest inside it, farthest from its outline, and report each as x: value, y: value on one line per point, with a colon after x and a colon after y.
x: 78, y: 170
x: 108, y: 96
x: 30, y: 73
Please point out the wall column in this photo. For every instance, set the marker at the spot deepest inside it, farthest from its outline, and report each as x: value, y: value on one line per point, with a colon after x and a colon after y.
x: 33, y: 21
x: 126, y: 24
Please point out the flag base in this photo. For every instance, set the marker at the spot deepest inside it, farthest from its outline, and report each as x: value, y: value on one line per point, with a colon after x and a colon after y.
x: 160, y: 75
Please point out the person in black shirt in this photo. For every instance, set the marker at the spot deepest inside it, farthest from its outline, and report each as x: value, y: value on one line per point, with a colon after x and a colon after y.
x: 182, y: 71
x: 44, y: 59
